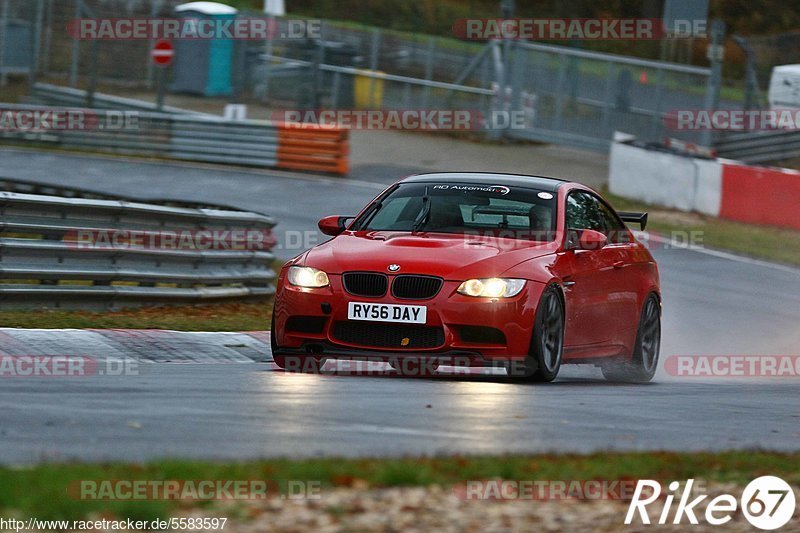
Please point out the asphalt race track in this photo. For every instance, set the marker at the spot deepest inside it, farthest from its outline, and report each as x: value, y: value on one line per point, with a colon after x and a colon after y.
x: 238, y: 408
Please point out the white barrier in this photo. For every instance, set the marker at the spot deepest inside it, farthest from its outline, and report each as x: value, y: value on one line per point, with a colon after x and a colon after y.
x: 664, y: 178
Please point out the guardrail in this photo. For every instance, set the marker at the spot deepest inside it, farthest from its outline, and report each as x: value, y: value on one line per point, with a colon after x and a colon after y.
x: 194, y: 138
x: 767, y: 146
x: 86, y: 253
x: 48, y: 94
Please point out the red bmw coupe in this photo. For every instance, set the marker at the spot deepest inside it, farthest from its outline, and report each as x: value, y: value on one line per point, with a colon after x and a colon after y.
x: 475, y: 269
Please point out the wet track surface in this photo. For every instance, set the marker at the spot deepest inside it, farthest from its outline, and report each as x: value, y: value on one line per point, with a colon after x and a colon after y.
x: 239, y: 411
x: 713, y: 305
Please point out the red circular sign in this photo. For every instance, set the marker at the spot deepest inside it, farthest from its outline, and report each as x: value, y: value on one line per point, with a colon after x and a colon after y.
x: 163, y: 53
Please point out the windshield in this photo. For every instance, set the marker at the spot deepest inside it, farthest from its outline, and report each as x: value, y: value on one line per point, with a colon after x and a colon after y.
x: 464, y: 209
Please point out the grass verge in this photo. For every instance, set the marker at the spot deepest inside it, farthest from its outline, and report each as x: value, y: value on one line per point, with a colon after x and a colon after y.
x: 219, y: 317
x: 762, y: 242
x: 42, y: 491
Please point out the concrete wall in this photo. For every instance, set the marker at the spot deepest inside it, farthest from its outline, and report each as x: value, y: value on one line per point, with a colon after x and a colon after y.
x: 663, y: 178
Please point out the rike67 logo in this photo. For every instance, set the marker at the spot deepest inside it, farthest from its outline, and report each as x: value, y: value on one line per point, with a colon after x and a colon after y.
x: 767, y: 502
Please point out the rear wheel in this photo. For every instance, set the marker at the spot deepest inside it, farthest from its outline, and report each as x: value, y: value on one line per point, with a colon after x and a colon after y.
x: 642, y: 367
x: 547, y: 343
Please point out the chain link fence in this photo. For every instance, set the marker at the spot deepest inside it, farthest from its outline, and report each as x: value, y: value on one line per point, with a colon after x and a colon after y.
x: 566, y: 95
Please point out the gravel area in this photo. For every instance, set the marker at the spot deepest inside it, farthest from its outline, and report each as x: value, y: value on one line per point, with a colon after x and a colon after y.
x: 440, y: 509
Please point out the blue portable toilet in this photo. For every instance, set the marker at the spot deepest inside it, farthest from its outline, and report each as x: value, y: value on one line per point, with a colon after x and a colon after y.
x: 204, y: 66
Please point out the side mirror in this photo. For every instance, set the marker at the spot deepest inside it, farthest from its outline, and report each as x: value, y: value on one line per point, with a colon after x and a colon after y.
x: 591, y: 240
x: 332, y: 225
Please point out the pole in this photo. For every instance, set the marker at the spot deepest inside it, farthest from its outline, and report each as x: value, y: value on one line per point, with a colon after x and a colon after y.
x: 3, y: 34
x: 37, y: 44
x: 155, y: 7
x: 715, y: 79
x: 48, y: 37
x: 160, y: 76
x: 272, y: 24
x: 76, y: 49
x: 92, y: 76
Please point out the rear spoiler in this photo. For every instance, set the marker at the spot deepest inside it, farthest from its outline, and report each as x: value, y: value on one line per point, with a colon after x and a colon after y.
x: 636, y: 218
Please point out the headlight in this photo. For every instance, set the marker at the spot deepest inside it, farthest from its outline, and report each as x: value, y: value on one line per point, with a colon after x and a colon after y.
x: 308, y: 277
x: 492, y: 287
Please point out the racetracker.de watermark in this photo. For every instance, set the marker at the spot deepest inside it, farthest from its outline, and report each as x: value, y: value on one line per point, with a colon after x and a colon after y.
x: 545, y: 490
x: 64, y: 366
x: 213, y: 239
x: 145, y: 29
x: 733, y: 366
x: 41, y: 120
x: 557, y: 29
x: 404, y: 119
x: 193, y: 489
x: 733, y: 119
x: 502, y: 239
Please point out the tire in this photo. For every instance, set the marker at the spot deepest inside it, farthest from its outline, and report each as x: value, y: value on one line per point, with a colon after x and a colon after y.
x: 547, y: 341
x: 278, y: 360
x: 643, y: 365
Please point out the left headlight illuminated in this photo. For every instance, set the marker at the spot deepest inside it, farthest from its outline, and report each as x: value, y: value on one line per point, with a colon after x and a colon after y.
x: 492, y: 287
x: 307, y: 277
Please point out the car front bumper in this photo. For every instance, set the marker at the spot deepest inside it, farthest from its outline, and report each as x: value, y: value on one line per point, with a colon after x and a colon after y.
x: 459, y: 330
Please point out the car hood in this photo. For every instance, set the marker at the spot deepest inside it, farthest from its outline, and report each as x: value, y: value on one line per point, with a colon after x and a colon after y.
x: 453, y: 257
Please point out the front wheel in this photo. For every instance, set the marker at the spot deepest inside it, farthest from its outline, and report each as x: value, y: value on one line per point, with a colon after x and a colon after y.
x: 644, y: 363
x: 547, y: 343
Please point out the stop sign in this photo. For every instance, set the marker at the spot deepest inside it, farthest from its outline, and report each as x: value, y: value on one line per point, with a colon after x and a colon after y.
x: 163, y: 53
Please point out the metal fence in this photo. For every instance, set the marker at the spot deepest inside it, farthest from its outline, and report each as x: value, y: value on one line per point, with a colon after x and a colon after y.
x: 567, y: 95
x: 45, y: 263
x: 581, y: 98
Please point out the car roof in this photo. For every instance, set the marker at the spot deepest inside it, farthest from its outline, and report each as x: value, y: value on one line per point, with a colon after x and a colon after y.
x: 540, y: 183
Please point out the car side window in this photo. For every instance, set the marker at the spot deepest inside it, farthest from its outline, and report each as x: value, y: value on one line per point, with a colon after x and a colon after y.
x: 615, y: 230
x: 583, y: 212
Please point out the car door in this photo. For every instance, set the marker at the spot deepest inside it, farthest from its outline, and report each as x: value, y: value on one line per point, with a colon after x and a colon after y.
x: 590, y: 291
x: 625, y: 278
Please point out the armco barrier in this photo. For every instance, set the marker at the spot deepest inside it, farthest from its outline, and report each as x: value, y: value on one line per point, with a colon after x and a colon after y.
x: 96, y: 254
x: 717, y: 187
x: 57, y: 95
x: 196, y: 138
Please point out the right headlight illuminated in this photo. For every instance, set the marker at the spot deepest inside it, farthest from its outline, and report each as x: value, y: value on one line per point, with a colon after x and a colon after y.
x: 492, y: 287
x: 307, y: 277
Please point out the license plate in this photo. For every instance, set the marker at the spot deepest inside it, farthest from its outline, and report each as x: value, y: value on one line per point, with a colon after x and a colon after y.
x: 406, y: 314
